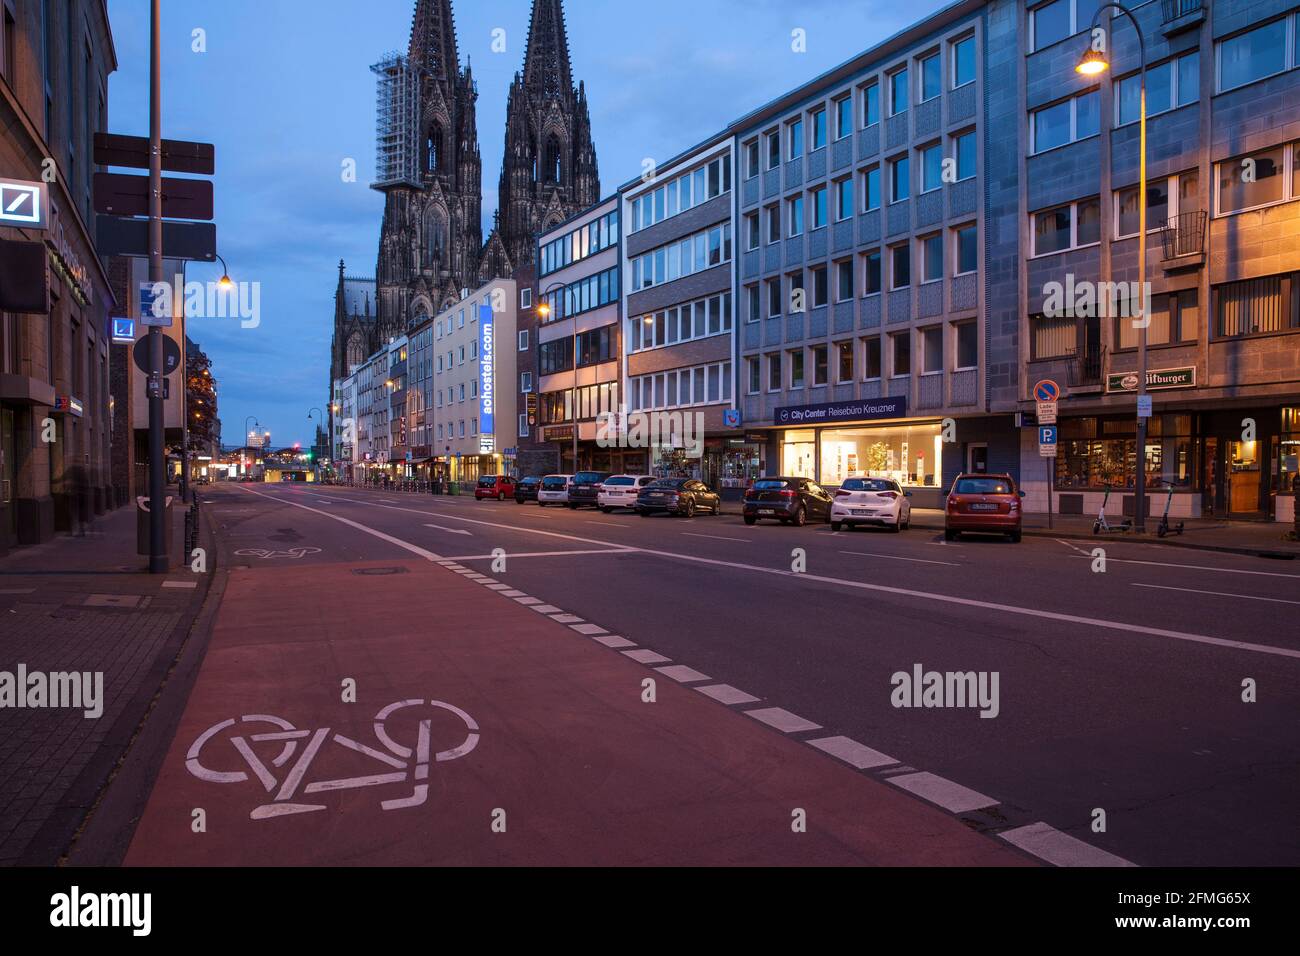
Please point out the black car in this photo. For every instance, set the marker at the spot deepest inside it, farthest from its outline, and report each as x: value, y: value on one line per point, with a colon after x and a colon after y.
x: 526, y: 488
x: 584, y: 488
x: 676, y: 496
x: 788, y: 500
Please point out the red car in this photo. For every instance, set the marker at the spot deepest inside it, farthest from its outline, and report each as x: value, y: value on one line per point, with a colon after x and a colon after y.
x: 983, y: 503
x: 499, y: 487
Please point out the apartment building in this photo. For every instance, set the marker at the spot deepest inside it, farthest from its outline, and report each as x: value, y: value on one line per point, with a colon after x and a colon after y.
x: 578, y: 343
x: 679, y: 317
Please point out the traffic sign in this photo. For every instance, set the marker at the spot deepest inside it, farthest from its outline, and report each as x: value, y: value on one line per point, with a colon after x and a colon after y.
x: 1047, y: 391
x: 178, y: 156
x: 171, y: 355
x: 24, y: 204
x: 120, y: 236
x: 153, y: 309
x: 1047, y: 413
x: 121, y: 194
x: 1144, y: 406
x: 1047, y: 441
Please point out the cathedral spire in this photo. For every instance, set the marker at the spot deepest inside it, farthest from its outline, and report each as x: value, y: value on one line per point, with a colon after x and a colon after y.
x: 433, y: 39
x: 546, y: 59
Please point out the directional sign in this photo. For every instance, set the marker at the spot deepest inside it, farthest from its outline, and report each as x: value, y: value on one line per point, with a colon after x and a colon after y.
x: 24, y: 204
x: 178, y: 156
x: 1047, y: 441
x: 1047, y: 391
x: 118, y: 236
x: 171, y: 355
x: 152, y: 311
x: 1144, y: 406
x: 121, y: 194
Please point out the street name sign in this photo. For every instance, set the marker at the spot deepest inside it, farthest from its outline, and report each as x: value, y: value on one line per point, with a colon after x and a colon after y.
x: 121, y: 194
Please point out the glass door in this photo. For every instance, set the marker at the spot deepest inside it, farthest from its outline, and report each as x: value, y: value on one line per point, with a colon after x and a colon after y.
x: 1243, y: 474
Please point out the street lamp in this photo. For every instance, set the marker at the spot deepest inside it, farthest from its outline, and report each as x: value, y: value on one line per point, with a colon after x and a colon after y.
x: 225, y: 281
x: 1092, y: 63
x: 543, y: 309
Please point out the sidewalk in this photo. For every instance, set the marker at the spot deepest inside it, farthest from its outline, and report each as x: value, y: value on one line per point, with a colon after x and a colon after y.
x: 81, y: 604
x: 485, y: 732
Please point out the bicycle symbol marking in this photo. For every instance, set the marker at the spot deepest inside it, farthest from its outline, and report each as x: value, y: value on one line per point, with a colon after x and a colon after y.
x: 265, y: 553
x: 406, y: 762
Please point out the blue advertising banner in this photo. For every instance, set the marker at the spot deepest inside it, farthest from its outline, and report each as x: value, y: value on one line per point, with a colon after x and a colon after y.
x: 852, y: 411
x: 486, y: 379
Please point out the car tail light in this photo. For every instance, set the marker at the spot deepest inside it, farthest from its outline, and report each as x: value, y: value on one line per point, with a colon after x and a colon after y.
x: 841, y: 493
x: 750, y: 494
x: 891, y: 495
x: 787, y: 493
x: 953, y: 502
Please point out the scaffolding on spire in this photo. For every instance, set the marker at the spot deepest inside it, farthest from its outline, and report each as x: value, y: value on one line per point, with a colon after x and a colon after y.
x: 396, y: 123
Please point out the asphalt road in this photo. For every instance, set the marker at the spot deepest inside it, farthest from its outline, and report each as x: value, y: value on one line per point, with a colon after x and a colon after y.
x: 1120, y: 691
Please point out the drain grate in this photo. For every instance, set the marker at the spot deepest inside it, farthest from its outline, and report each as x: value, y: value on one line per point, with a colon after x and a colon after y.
x: 369, y: 571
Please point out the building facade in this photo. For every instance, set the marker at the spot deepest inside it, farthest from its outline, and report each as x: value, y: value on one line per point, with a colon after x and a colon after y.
x: 55, y: 421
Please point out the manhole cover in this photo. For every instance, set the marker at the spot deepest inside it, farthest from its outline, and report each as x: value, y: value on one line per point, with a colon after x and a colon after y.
x: 379, y: 570
x: 113, y: 600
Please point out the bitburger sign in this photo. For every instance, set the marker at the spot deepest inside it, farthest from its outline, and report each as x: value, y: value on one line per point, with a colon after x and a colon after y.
x: 1156, y: 380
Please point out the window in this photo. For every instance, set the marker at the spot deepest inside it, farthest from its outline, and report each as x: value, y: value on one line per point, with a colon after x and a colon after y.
x: 871, y: 273
x: 870, y: 105
x: 898, y: 97
x: 965, y: 249
x: 1256, y: 179
x: 1067, y: 227
x: 820, y: 290
x: 1165, y: 199
x: 931, y: 258
x: 555, y: 356
x: 871, y: 359
x: 843, y: 116
x: 963, y: 148
x: 1052, y: 337
x: 871, y: 189
x: 900, y: 179
x: 818, y: 129
x: 845, y: 352
x: 965, y: 337
x: 902, y: 353
x: 755, y: 375
x: 596, y: 346
x: 693, y: 320
x: 1066, y: 122
x: 931, y: 85
x: 844, y: 280
x: 773, y: 298
x: 818, y: 197
x: 932, y: 349
x: 1257, y: 306
x: 774, y: 149
x: 523, y: 425
x: 525, y: 381
x: 679, y: 258
x: 1054, y: 22
x: 963, y: 62
x: 1253, y: 55
x: 751, y: 159
x: 931, y: 168
x: 901, y: 266
x: 796, y: 369
x: 751, y: 230
x: 796, y: 139
x: 773, y: 224
x: 753, y: 305
x: 795, y: 207
x: 526, y: 297
x: 844, y: 199
x: 821, y: 370
x: 591, y: 238
x: 1170, y: 85
x: 774, y: 372
x: 1174, y: 318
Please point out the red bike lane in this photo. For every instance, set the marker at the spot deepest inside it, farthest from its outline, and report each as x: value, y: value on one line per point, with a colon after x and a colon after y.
x: 398, y: 713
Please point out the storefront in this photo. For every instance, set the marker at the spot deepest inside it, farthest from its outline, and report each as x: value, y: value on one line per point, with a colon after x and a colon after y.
x: 731, y: 464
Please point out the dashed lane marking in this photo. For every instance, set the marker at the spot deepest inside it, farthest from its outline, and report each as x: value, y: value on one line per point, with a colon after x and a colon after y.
x: 782, y: 719
x: 613, y: 640
x: 1060, y: 849
x: 682, y: 674
x: 439, y: 527
x: 715, y: 537
x: 939, y: 790
x: 1192, y: 567
x: 1244, y: 597
x: 646, y: 656
x: 856, y: 755
x: 180, y: 584
x: 726, y: 694
x: 567, y: 619
x: 588, y: 629
x: 548, y: 609
x: 543, y: 554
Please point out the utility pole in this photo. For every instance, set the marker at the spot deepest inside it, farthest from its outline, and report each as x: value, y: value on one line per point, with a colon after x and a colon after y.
x: 157, y: 515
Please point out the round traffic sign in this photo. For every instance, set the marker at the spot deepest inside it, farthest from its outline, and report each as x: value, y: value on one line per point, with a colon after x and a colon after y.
x: 1047, y: 391
x: 171, y: 354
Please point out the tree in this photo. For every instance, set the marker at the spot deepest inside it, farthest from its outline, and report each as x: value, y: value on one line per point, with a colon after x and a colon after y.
x: 200, y: 399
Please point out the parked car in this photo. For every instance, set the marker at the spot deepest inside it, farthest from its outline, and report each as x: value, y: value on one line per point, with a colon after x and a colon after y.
x: 983, y: 503
x: 526, y: 488
x: 499, y: 487
x: 585, y: 488
x: 875, y: 501
x: 789, y: 500
x: 677, y: 496
x: 554, y: 490
x: 620, y: 491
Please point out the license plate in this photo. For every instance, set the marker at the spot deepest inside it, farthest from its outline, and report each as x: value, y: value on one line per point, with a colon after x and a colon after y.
x: 767, y: 511
x: 862, y: 511
x: 983, y: 506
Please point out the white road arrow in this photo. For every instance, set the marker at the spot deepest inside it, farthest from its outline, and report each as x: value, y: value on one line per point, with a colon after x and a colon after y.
x: 449, y: 530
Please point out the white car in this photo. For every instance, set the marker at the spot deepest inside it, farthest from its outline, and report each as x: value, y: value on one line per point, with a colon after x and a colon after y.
x: 877, y: 501
x: 554, y: 490
x: 620, y: 491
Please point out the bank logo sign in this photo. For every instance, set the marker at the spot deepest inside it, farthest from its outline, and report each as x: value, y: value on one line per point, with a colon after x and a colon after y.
x: 486, y: 379
x: 866, y: 410
x: 1159, y: 379
x: 23, y: 204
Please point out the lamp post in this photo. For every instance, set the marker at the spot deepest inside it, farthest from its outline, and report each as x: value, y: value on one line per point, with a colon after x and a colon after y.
x: 314, y: 459
x: 544, y: 310
x: 248, y: 433
x: 1092, y: 63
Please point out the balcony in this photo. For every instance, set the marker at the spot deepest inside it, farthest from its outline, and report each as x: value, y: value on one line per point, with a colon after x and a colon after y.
x: 1183, y: 239
x: 1181, y: 16
x: 1084, y: 369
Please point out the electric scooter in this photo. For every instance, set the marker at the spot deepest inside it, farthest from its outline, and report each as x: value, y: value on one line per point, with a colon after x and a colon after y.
x: 1163, y: 528
x: 1101, y: 524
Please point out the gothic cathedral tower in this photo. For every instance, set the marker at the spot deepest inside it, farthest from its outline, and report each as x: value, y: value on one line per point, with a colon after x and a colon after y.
x: 549, y: 169
x: 430, y: 174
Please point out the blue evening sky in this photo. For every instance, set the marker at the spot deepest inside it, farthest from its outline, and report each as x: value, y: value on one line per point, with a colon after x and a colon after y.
x: 286, y: 94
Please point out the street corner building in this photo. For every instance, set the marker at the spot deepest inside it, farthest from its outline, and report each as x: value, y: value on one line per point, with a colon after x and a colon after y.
x: 55, y: 296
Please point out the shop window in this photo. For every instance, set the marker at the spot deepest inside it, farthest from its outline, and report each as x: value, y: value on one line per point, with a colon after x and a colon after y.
x: 799, y: 453
x: 911, y: 455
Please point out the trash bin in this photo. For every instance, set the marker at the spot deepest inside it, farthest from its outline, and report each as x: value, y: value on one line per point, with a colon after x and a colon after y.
x: 142, y: 525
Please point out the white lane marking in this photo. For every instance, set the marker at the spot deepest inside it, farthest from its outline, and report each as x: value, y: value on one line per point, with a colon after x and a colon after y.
x: 1244, y: 597
x: 682, y: 674
x: 1060, y: 849
x: 542, y: 554
x: 180, y: 584
x: 1072, y: 547
x: 500, y: 587
x: 611, y: 640
x: 646, y: 656
x: 1193, y: 567
x: 568, y: 619
x: 326, y: 501
x: 899, y: 557
x: 513, y: 594
x: 449, y: 530
x: 922, y: 595
x: 609, y: 524
x: 856, y: 755
x: 951, y: 796
x: 716, y: 537
x: 398, y: 542
x: 726, y: 694
x: 548, y: 609
x: 588, y: 629
x: 782, y: 719
x: 527, y: 601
